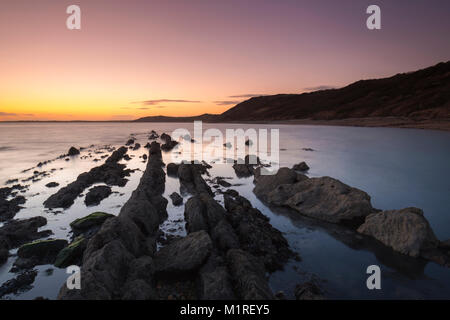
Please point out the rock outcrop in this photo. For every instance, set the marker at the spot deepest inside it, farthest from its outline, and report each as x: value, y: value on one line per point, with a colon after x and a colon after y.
x: 406, y: 230
x: 123, y: 240
x: 111, y: 173
x: 322, y: 198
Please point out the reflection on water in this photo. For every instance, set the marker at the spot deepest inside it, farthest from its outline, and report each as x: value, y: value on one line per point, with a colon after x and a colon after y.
x: 397, y: 167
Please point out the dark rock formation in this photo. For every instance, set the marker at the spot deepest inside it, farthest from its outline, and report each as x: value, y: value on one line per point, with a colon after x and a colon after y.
x: 20, y: 283
x: 191, y: 179
x: 9, y: 208
x: 111, y: 173
x: 246, y: 167
x: 38, y: 252
x: 302, y: 166
x: 185, y: 255
x: 92, y: 221
x: 177, y: 200
x: 110, y: 253
x: 52, y: 184
x: 248, y: 276
x: 96, y: 195
x: 72, y: 254
x: 256, y: 235
x: 308, y: 291
x: 73, y: 151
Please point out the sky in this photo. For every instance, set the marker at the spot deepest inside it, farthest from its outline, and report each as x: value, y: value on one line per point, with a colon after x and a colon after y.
x: 188, y: 57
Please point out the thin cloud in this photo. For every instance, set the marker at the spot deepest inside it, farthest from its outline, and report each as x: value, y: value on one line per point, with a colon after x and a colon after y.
x: 318, y: 88
x: 247, y: 95
x: 9, y: 114
x: 226, y: 102
x: 158, y: 101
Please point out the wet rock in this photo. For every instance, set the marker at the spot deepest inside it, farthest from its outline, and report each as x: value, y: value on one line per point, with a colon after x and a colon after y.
x: 39, y: 252
x: 73, y: 151
x: 308, y: 291
x: 153, y: 135
x: 138, y: 290
x: 191, y: 179
x: 248, y: 276
x: 17, y: 232
x: 184, y: 255
x: 103, y: 274
x: 165, y: 137
x: 246, y: 167
x: 94, y: 220
x: 72, y: 254
x: 172, y: 169
x: 216, y: 285
x: 122, y: 239
x: 110, y: 173
x: 221, y: 181
x: 302, y: 166
x: 169, y: 145
x: 194, y: 215
x: 137, y: 146
x: 323, y: 198
x: 406, y: 230
x: 52, y: 185
x: 130, y: 142
x: 266, y: 183
x: 4, y: 253
x: 97, y: 194
x: 18, y: 284
x: 177, y: 200
x: 256, y: 235
x: 9, y: 208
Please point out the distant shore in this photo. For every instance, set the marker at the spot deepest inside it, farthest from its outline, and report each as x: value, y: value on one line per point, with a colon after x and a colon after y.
x: 390, y: 122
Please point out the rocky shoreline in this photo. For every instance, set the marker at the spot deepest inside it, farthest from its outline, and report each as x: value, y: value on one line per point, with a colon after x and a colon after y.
x: 228, y: 251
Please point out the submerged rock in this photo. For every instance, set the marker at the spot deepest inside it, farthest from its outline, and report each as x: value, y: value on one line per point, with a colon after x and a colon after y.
x: 406, y: 231
x: 96, y: 195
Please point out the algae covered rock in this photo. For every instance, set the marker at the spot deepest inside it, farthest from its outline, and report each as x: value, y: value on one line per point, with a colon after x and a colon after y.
x: 93, y: 220
x: 72, y: 254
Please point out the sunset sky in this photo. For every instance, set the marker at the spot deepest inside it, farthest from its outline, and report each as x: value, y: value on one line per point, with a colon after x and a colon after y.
x: 187, y: 57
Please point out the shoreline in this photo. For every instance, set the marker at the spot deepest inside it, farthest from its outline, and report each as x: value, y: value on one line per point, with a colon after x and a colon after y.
x: 376, y: 122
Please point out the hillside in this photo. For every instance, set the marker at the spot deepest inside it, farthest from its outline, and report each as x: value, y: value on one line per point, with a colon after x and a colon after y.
x: 419, y: 95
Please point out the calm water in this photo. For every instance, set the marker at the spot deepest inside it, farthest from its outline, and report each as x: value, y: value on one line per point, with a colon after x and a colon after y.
x: 397, y: 167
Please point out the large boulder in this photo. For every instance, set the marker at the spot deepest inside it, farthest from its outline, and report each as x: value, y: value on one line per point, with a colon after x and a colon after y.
x: 322, y: 198
x: 266, y: 183
x: 184, y: 255
x: 406, y: 230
